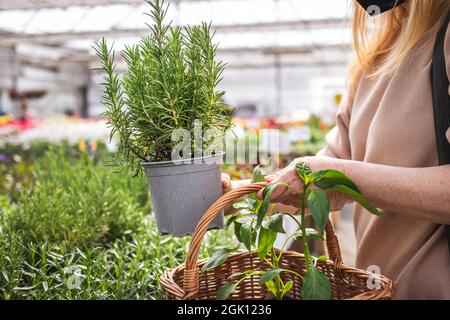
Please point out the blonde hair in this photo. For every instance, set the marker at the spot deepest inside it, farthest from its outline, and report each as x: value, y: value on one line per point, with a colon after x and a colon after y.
x: 379, y: 48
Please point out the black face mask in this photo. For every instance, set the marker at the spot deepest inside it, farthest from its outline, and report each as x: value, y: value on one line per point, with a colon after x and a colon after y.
x: 375, y: 7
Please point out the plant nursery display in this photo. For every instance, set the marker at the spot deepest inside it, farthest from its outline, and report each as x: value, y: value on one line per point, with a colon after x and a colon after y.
x: 77, y: 230
x: 170, y: 85
x: 265, y: 272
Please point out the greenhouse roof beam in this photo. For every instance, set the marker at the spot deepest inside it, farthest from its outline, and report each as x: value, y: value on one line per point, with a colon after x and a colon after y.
x: 260, y: 57
x: 60, y: 37
x: 50, y: 4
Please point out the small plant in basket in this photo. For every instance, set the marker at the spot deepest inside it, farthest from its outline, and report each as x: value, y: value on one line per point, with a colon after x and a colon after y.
x: 257, y: 229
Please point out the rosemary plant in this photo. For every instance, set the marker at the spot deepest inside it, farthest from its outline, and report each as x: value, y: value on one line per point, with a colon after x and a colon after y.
x: 170, y: 83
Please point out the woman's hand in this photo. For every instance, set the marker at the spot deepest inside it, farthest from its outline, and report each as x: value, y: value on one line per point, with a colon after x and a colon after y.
x: 226, y: 183
x: 288, y: 177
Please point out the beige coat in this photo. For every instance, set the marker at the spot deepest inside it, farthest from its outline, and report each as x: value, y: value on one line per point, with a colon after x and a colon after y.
x: 390, y: 121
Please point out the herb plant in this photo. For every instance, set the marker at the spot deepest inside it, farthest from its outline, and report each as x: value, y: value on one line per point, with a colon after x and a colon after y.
x: 81, y: 231
x: 171, y: 81
x: 257, y: 229
x: 76, y: 201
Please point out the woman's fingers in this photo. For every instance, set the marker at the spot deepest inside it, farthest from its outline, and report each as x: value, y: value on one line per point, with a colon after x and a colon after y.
x: 226, y: 181
x: 270, y: 177
x: 288, y: 186
x: 281, y: 191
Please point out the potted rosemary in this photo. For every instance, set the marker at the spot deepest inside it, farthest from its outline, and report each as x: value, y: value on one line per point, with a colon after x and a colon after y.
x: 166, y: 112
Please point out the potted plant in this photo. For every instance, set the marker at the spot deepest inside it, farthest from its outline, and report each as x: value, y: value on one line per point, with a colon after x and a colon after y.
x: 257, y: 230
x: 169, y: 92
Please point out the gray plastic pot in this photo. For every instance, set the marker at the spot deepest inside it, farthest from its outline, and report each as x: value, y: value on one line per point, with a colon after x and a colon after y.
x: 182, y: 191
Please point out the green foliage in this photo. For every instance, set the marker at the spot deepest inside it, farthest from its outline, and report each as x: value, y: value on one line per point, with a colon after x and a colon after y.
x: 120, y: 256
x: 275, y: 223
x: 28, y: 153
x: 316, y: 285
x: 326, y: 179
x: 15, y: 175
x: 171, y: 81
x: 303, y: 172
x: 357, y: 197
x: 269, y: 275
x: 245, y: 233
x: 76, y: 202
x: 257, y: 175
x: 126, y: 268
x: 333, y: 180
x: 266, y: 239
x: 218, y: 258
x: 16, y: 165
x: 318, y: 205
x: 224, y: 291
x: 264, y: 206
x: 11, y: 252
x: 311, y: 234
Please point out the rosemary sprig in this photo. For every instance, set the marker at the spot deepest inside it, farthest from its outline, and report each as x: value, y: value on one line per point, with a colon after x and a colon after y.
x: 171, y: 81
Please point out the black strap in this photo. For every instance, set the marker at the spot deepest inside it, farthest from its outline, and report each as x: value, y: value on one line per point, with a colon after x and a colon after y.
x: 441, y: 101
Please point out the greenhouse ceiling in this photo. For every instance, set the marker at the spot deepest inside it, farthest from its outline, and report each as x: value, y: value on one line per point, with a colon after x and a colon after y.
x: 46, y: 32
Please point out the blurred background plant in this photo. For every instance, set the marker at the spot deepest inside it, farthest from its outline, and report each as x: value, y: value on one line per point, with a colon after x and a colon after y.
x: 77, y: 230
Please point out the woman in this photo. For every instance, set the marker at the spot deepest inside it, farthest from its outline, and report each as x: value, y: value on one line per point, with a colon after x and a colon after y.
x: 385, y: 142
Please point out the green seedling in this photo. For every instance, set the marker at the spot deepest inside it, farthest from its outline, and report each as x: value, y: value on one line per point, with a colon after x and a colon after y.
x: 256, y: 226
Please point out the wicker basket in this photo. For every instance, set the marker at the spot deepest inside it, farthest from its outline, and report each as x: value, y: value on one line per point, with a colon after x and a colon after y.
x: 188, y: 282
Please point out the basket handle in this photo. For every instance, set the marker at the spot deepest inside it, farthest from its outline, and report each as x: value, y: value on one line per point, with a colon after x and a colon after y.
x: 191, y: 272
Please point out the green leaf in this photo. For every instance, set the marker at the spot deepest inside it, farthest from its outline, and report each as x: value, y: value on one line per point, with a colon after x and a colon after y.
x: 245, y: 212
x: 236, y: 275
x: 275, y: 223
x: 240, y: 204
x: 257, y: 175
x: 327, y: 179
x: 287, y: 287
x: 266, y: 240
x: 271, y: 286
x: 218, y: 258
x: 247, y: 235
x: 358, y: 197
x: 269, y: 275
x: 244, y: 274
x: 310, y: 234
x: 316, y: 285
x: 303, y: 170
x: 245, y: 204
x: 233, y: 219
x: 318, y: 205
x: 224, y: 291
x: 262, y: 210
x: 237, y: 230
